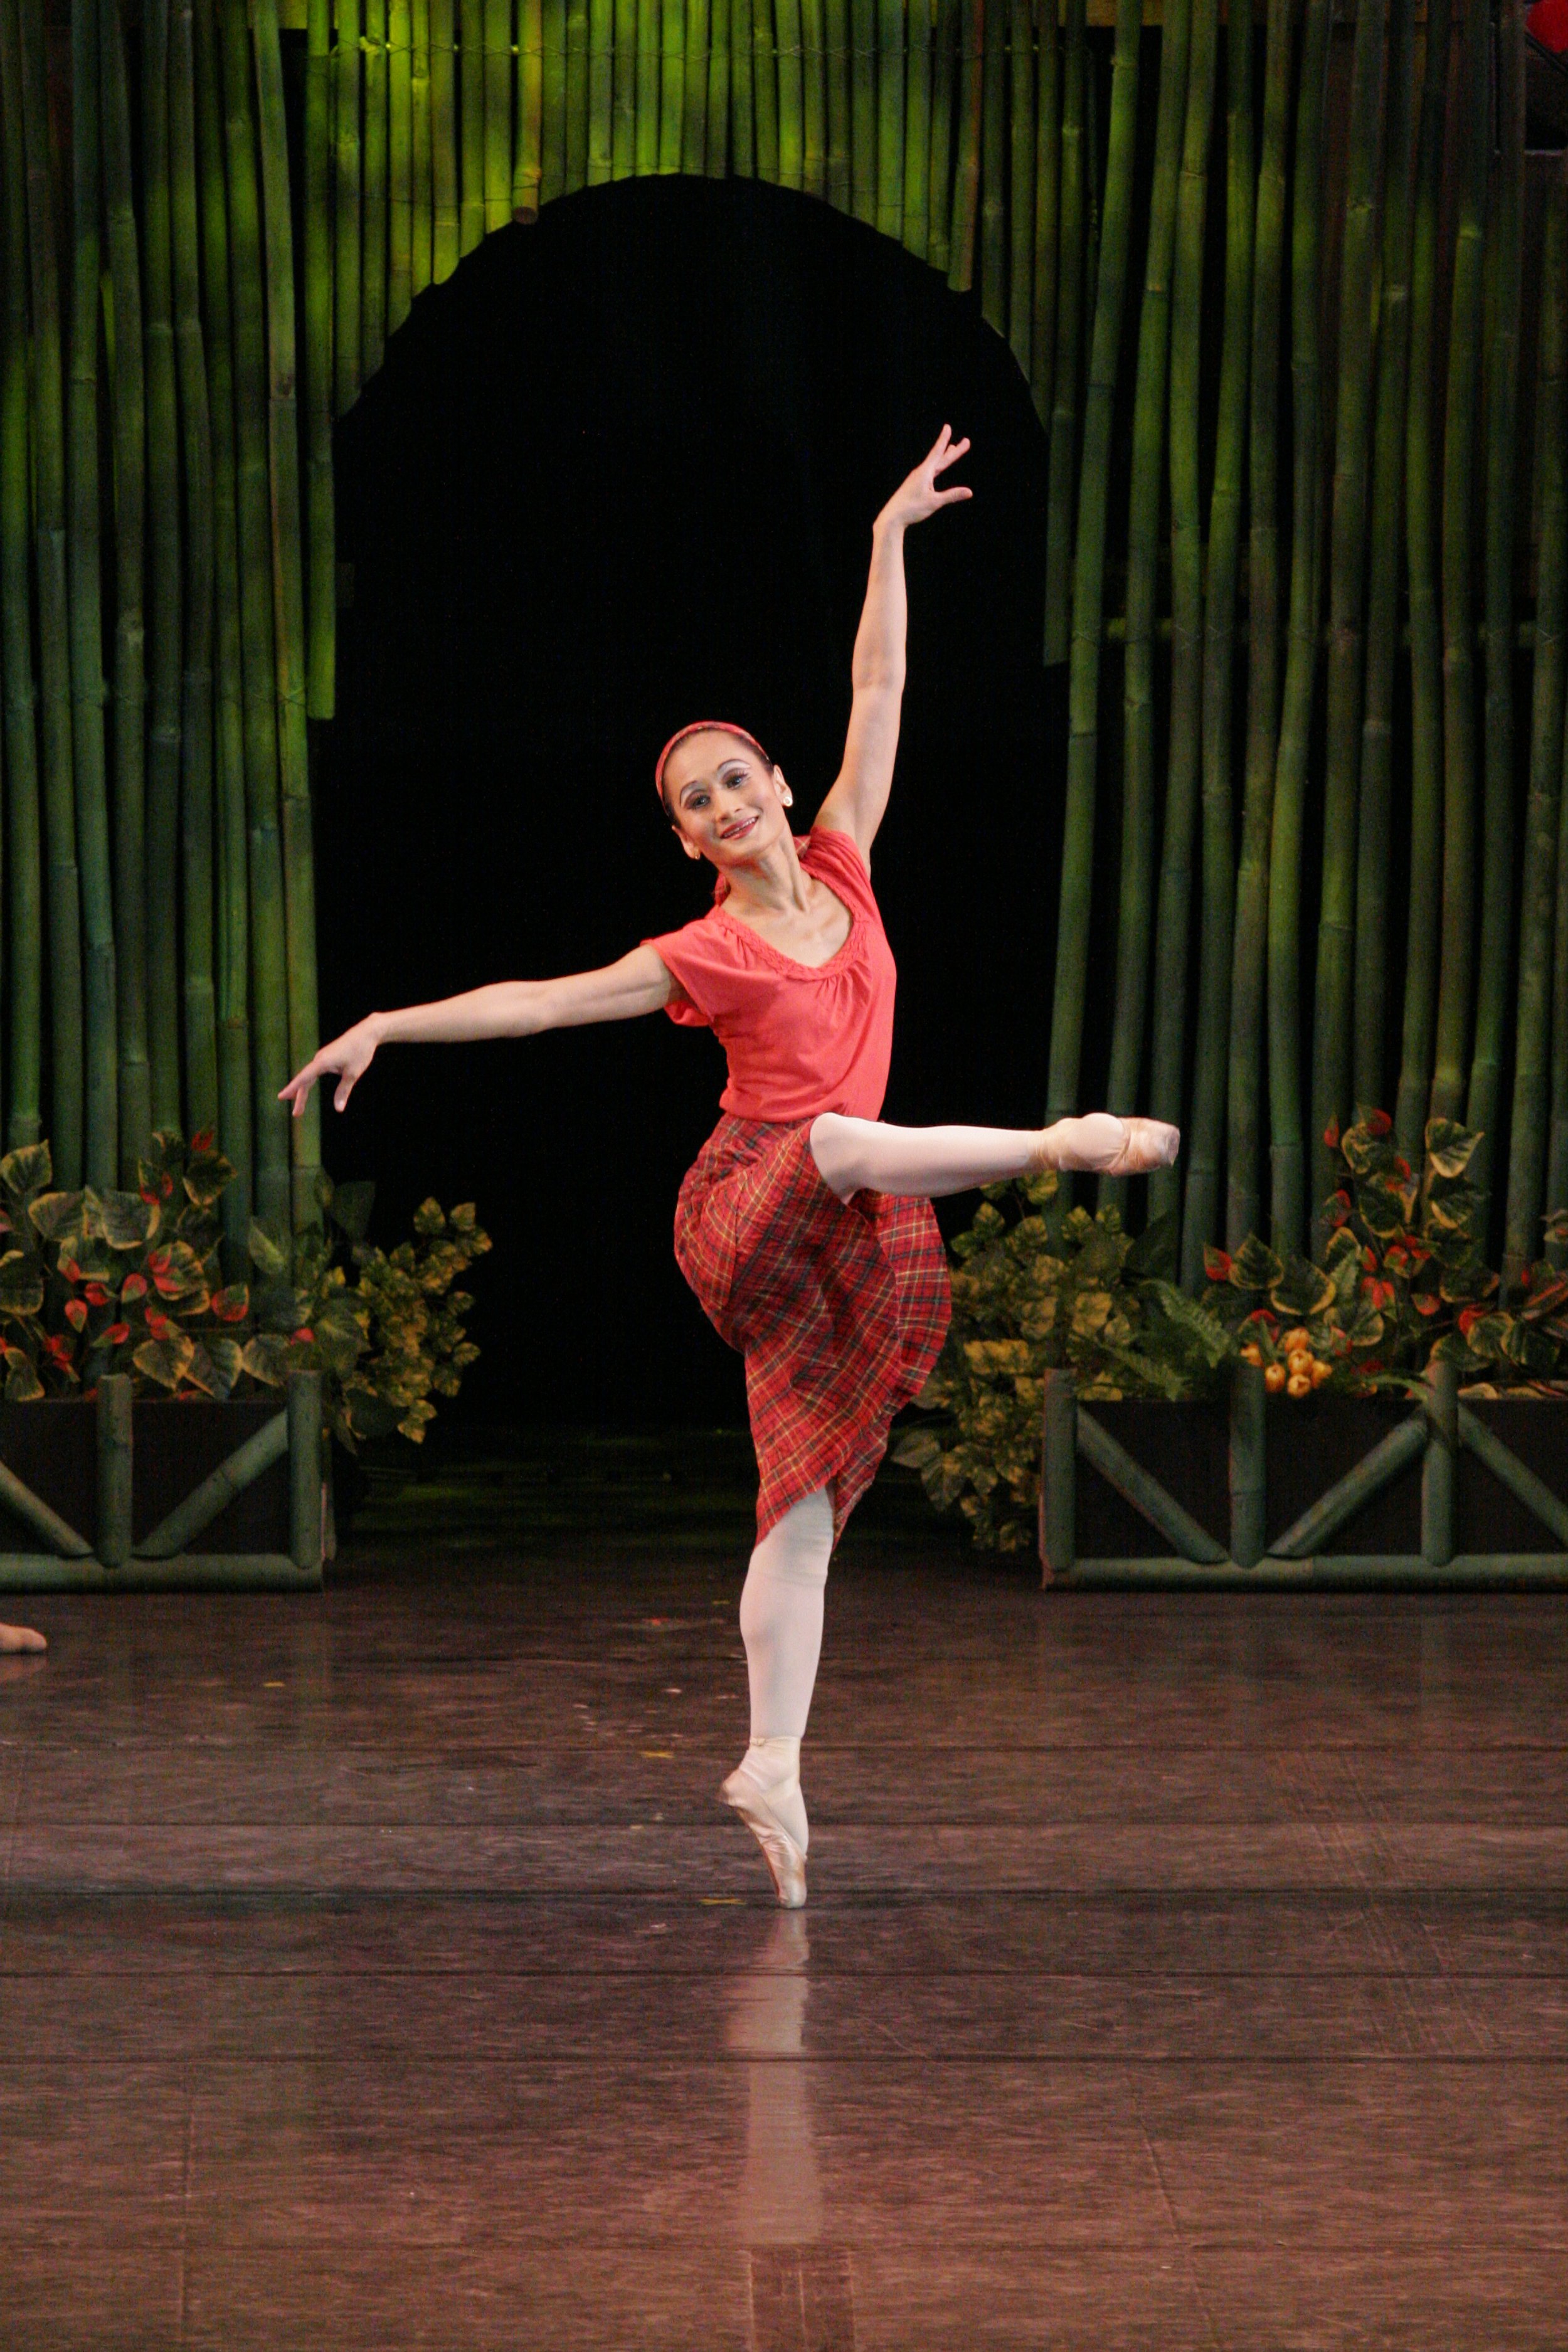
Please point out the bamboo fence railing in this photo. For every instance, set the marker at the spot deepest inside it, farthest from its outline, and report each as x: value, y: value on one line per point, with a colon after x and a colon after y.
x: 1300, y: 338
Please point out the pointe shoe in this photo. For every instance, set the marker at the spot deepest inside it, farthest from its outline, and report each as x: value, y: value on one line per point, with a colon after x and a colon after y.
x: 785, y: 1860
x: 21, y: 1638
x: 1148, y: 1143
x: 1102, y: 1144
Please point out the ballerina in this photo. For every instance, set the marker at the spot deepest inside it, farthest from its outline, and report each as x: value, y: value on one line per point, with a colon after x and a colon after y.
x: 805, y: 1225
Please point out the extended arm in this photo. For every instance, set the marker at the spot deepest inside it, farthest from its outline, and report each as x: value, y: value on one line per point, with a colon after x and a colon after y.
x: 859, y: 800
x: 640, y: 982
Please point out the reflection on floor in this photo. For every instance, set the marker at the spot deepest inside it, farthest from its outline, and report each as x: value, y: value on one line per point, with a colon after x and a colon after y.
x: 380, y: 1971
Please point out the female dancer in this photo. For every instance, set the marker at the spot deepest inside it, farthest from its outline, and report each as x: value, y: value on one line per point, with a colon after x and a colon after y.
x: 805, y: 1225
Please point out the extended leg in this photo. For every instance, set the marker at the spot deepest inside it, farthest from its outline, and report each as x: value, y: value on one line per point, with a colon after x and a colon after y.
x: 866, y: 1155
x: 781, y: 1624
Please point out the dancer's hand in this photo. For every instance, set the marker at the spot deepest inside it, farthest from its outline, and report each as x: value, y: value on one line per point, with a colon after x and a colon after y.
x: 919, y: 495
x: 349, y: 1056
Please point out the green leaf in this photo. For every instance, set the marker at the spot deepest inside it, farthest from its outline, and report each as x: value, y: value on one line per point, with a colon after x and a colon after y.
x: 1154, y: 1254
x: 60, y: 1216
x: 1303, y: 1290
x: 266, y: 1358
x: 23, y: 1385
x: 28, y: 1171
x: 21, y: 1284
x: 1255, y: 1267
x: 351, y: 1205
x: 207, y: 1178
x: 167, y: 1362
x: 125, y: 1220
x: 917, y: 1449
x: 270, y: 1251
x: 1449, y: 1146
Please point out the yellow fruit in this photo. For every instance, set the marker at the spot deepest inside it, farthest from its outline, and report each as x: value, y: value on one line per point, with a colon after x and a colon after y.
x: 1299, y: 1384
x: 1300, y: 1360
x: 1252, y: 1353
x: 1274, y: 1379
x: 1321, y: 1371
x: 1296, y: 1340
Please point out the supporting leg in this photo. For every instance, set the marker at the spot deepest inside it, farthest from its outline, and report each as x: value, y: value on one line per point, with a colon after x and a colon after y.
x: 781, y: 1624
x: 858, y: 1155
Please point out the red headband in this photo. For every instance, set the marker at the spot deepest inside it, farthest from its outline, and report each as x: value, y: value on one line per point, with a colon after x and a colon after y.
x: 703, y: 727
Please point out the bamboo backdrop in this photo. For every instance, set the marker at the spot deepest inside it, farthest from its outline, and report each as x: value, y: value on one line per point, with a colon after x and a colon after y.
x: 1316, y: 405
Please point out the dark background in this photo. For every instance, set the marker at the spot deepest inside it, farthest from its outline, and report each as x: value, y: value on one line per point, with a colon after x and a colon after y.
x: 620, y: 472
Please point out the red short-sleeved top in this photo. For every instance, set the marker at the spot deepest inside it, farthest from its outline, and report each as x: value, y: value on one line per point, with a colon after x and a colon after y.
x: 799, y: 1038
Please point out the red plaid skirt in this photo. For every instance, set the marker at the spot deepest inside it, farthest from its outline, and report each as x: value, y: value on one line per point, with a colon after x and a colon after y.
x: 839, y: 1308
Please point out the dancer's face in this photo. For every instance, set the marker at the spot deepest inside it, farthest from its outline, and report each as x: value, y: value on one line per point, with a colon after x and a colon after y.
x: 725, y: 803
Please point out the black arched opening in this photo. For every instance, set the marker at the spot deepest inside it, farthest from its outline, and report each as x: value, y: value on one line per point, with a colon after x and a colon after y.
x: 617, y: 473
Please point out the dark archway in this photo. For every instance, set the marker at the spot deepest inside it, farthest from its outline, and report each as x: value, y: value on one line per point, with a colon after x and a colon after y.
x: 618, y: 472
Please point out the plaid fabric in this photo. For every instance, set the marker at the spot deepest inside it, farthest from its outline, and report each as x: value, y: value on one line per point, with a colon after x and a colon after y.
x: 839, y: 1308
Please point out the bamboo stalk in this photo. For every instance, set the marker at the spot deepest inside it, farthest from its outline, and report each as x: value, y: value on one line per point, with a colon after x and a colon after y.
x: 400, y: 165
x: 792, y: 94
x: 85, y: 586
x: 1201, y: 1211
x: 742, y: 106
x: 423, y: 164
x: 165, y: 616
x: 1532, y: 1040
x: 268, y: 955
x: 1047, y: 211
x: 1375, y: 816
x: 64, y: 886
x: 499, y: 111
x: 966, y: 167
x: 623, y: 84
x: 765, y: 88
x: 372, y: 265
x: 1021, y: 186
x: 1419, y: 1008
x: 672, y: 83
x: 470, y: 121
x: 526, y: 162
x: 1089, y: 576
x: 201, y: 1091
x: 994, y: 170
x: 716, y: 159
x: 1347, y: 597
x: 348, y: 205
x: 445, y: 236
x: 1244, y: 1084
x: 862, y: 109
x: 600, y: 89
x: 23, y: 848
x: 1504, y: 267
x: 235, y: 1124
x: 1288, y: 1185
x: 1072, y: 213
x: 1557, y: 1133
x: 321, y: 513
x: 1145, y: 495
x: 1457, y: 968
x: 553, y: 98
x: 939, y: 198
x: 916, y: 228
x: 890, y: 117
x: 1174, y: 896
x: 288, y: 599
x: 814, y: 95
x: 577, y: 95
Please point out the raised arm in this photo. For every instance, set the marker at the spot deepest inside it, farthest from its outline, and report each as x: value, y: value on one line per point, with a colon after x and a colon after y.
x: 858, y: 799
x: 640, y: 982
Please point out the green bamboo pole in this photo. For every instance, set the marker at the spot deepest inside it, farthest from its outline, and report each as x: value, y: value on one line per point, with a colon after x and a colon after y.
x: 1504, y: 264
x: 423, y: 165
x: 671, y: 82
x: 322, y: 670
x: 966, y: 164
x: 742, y: 104
x: 348, y: 206
x: 792, y: 94
x: 1557, y: 1134
x: 1457, y: 968
x: 1244, y: 1082
x: 553, y: 98
x: 577, y: 94
x: 917, y: 129
x: 765, y: 88
x: 1201, y: 1216
x: 235, y: 1124
x: 165, y: 572
x: 470, y: 122
x: 1048, y: 206
x: 1533, y: 1039
x: 64, y: 905
x: 600, y: 89
x: 444, y: 205
x: 498, y: 111
x: 1173, y: 902
x: 814, y: 91
x: 201, y: 1091
x: 1287, y: 1155
x: 1420, y: 997
x: 649, y: 72
x: 374, y: 255
x: 1347, y: 596
x: 86, y: 587
x: 1021, y: 186
x: 862, y: 109
x: 1375, y: 816
x: 939, y: 174
x: 24, y: 850
x: 1072, y: 214
x: 623, y: 84
x: 1145, y: 495
x: 269, y: 954
x: 400, y: 166
x: 1089, y: 576
x: 890, y: 117
x: 994, y: 170
x: 531, y: 101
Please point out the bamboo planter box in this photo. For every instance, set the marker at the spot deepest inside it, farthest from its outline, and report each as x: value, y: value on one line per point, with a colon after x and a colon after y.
x: 114, y: 1496
x: 1327, y: 1491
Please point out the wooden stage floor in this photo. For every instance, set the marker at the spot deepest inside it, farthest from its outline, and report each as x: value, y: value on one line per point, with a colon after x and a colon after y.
x: 379, y: 1971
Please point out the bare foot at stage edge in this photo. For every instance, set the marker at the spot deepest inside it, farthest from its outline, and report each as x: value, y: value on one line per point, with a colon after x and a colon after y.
x: 20, y: 1637
x: 785, y: 1858
x: 1102, y: 1144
